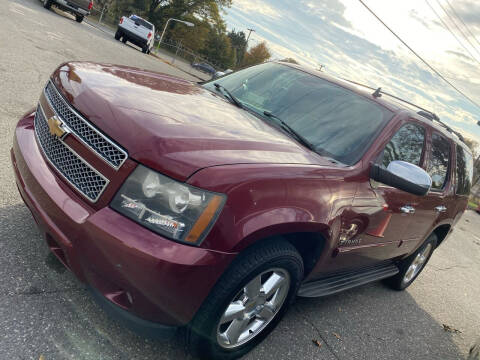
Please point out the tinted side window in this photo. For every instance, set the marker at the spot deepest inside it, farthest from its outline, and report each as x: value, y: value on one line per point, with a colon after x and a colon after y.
x: 464, y: 171
x: 406, y: 145
x: 439, y: 159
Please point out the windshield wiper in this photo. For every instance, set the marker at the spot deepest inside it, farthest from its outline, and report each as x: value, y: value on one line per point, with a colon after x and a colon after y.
x: 232, y: 98
x: 289, y: 130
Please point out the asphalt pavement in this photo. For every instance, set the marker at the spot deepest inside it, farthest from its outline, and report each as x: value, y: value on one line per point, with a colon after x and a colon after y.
x: 45, y: 311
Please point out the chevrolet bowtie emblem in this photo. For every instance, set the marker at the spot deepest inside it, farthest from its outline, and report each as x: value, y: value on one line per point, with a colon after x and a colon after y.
x: 55, y: 125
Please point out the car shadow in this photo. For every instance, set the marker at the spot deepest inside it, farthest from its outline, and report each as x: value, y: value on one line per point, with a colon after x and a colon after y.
x: 369, y: 322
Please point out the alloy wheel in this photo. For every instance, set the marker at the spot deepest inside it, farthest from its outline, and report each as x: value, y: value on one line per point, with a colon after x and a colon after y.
x: 417, y: 264
x: 253, y: 308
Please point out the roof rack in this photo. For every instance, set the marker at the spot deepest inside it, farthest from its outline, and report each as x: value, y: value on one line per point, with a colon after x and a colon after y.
x: 422, y: 111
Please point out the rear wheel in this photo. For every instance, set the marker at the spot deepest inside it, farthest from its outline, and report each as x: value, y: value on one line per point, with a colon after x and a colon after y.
x: 118, y: 35
x: 79, y: 18
x: 413, y: 265
x: 247, y: 302
x: 47, y: 4
x: 124, y: 39
x: 145, y: 49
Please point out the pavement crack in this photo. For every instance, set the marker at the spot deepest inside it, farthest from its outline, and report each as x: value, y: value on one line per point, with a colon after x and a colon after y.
x: 329, y: 347
x: 449, y: 267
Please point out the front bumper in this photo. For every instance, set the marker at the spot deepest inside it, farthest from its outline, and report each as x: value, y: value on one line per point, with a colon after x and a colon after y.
x: 139, y: 273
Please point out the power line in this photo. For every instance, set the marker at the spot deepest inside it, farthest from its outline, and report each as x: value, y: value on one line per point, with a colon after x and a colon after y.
x: 461, y: 20
x: 445, y: 25
x: 417, y: 55
x: 458, y: 28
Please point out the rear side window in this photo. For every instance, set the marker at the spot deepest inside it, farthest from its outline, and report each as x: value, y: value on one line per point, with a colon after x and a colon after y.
x: 406, y: 145
x: 439, y: 160
x: 141, y: 22
x: 464, y: 171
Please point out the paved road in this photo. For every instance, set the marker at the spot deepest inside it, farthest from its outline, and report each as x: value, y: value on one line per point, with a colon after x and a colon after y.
x: 44, y: 310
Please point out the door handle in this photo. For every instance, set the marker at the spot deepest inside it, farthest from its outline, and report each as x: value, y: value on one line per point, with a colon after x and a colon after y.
x: 407, y: 209
x: 440, y: 208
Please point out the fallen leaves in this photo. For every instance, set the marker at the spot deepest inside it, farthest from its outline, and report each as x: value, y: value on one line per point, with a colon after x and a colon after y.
x: 41, y: 357
x: 316, y: 342
x: 337, y: 336
x: 450, y: 329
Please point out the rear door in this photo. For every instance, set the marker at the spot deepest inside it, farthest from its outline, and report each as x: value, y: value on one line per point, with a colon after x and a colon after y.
x: 438, y: 204
x: 463, y: 182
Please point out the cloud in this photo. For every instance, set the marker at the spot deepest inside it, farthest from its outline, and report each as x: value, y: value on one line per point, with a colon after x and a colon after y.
x: 257, y: 7
x: 351, y: 43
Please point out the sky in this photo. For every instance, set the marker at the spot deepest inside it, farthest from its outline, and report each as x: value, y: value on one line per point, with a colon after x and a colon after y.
x: 351, y: 43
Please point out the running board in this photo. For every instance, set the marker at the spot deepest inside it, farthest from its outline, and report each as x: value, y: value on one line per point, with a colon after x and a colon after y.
x: 342, y: 281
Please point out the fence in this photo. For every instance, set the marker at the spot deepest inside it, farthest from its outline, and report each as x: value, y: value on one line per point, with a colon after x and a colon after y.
x: 177, y: 51
x: 102, y: 16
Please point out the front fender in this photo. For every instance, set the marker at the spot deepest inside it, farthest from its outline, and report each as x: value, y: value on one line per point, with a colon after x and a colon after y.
x: 267, y: 200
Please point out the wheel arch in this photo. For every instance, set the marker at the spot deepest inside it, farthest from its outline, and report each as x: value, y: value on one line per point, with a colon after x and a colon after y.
x: 442, y: 232
x: 309, y: 242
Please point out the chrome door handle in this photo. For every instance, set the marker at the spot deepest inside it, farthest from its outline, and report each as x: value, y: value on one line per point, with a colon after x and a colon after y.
x: 407, y: 209
x: 440, y: 208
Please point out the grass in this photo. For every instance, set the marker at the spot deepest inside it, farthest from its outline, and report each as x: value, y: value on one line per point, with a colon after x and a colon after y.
x: 472, y: 205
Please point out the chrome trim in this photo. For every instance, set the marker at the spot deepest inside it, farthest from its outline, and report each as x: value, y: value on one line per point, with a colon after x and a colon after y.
x: 107, y: 181
x: 88, y: 124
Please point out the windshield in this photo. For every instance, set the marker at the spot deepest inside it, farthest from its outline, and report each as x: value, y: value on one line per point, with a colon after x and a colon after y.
x: 336, y: 121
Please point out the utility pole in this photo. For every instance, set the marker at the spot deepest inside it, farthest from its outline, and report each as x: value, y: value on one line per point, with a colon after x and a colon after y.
x: 249, y: 32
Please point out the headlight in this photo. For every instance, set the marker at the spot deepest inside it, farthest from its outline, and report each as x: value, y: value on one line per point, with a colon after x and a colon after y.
x: 168, y: 207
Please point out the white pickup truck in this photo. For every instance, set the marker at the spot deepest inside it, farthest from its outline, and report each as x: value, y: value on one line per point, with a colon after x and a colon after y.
x: 136, y: 30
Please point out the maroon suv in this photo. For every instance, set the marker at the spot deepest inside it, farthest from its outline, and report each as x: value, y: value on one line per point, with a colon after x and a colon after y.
x: 214, y: 205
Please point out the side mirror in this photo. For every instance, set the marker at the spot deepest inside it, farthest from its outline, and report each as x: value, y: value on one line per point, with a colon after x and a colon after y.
x: 404, y: 176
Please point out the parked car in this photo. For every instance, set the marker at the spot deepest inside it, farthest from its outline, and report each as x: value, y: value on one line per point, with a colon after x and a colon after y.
x: 136, y: 30
x: 222, y: 73
x: 206, y: 68
x: 211, y: 207
x: 78, y: 8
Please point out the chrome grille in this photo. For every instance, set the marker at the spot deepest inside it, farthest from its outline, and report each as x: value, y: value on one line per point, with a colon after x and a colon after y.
x: 104, y: 147
x: 80, y: 174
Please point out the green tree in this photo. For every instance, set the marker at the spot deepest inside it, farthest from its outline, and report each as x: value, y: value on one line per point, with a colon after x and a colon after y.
x: 257, y: 55
x: 289, y: 60
x: 239, y: 45
x: 218, y: 47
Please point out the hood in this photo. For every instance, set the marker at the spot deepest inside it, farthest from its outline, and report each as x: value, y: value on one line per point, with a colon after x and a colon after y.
x: 173, y: 125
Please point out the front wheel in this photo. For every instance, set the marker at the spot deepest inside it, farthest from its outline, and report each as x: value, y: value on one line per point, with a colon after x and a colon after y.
x: 47, y: 4
x: 413, y: 265
x: 247, y: 302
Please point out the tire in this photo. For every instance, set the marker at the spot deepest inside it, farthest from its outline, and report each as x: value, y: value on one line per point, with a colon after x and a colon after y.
x: 408, y: 273
x: 118, y: 35
x: 79, y: 18
x: 278, y: 260
x: 145, y: 49
x: 47, y: 4
x: 124, y: 39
